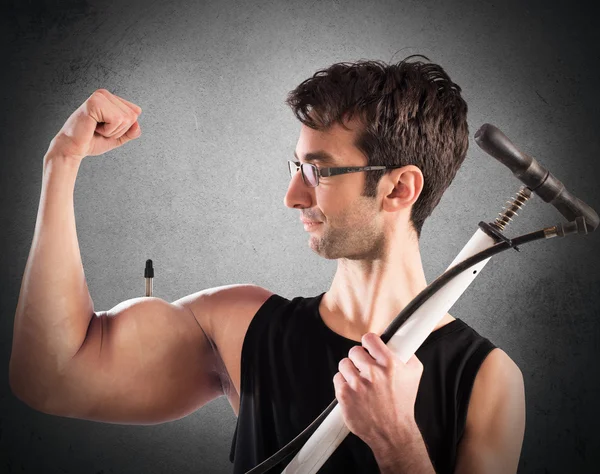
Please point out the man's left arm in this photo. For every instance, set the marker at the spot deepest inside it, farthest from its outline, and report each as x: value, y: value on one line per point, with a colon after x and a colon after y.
x: 495, y: 424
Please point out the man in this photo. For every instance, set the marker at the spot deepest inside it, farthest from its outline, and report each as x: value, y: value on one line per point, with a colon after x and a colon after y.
x: 280, y: 362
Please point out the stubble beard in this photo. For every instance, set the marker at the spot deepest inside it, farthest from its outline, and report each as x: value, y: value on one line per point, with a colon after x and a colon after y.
x: 358, y: 239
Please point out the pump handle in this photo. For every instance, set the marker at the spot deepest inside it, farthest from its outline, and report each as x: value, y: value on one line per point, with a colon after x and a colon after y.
x: 534, y: 176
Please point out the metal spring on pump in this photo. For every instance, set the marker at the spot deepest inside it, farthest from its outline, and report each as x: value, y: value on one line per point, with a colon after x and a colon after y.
x: 510, y: 211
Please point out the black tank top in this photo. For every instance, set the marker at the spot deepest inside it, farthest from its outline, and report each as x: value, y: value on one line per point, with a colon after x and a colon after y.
x: 289, y: 357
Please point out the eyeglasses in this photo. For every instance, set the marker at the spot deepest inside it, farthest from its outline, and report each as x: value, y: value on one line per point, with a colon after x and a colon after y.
x: 311, y: 174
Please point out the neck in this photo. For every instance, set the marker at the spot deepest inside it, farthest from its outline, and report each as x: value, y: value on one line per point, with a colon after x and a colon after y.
x: 365, y: 296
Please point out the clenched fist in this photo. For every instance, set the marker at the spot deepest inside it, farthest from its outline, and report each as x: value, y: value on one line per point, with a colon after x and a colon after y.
x: 103, y: 122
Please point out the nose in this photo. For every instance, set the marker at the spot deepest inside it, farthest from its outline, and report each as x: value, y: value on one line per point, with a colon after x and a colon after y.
x: 299, y: 195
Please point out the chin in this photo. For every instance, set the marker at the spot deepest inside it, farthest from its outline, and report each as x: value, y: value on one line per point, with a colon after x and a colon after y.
x: 316, y: 246
x: 330, y: 252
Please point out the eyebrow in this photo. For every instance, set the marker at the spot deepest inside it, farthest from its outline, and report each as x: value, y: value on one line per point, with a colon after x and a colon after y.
x: 320, y: 156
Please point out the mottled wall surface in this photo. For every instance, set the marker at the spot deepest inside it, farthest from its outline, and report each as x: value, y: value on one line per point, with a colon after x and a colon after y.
x: 201, y: 192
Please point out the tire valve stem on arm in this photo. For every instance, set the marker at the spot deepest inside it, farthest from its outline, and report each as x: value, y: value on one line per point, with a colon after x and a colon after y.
x: 149, y: 275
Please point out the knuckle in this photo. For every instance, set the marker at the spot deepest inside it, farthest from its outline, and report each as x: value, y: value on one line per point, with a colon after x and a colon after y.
x: 363, y: 382
x: 94, y: 100
x: 96, y: 103
x: 377, y: 374
x: 98, y: 96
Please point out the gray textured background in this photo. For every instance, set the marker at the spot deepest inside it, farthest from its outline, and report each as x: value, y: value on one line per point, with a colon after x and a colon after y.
x: 201, y: 192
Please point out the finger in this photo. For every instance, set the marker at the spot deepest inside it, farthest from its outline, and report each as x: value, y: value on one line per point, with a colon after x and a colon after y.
x: 339, y: 380
x: 350, y: 372
x: 128, y: 106
x: 111, y: 116
x: 113, y: 130
x: 127, y: 115
x: 362, y: 360
x: 105, y: 144
x: 101, y: 109
x: 340, y: 387
x: 136, y: 108
x: 134, y: 132
x: 121, y: 129
x: 377, y: 349
x: 117, y: 102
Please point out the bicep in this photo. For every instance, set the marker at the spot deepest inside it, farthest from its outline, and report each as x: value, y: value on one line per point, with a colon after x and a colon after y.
x: 495, y: 424
x: 145, y: 361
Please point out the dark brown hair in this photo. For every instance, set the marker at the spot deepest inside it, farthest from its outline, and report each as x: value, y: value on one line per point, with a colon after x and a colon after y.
x: 411, y: 114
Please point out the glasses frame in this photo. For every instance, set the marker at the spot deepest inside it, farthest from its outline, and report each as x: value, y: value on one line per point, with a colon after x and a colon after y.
x: 327, y: 172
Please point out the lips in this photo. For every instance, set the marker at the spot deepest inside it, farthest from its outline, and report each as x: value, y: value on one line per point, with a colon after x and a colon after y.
x: 310, y: 225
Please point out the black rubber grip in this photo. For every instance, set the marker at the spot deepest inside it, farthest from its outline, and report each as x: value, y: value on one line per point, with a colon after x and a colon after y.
x: 537, y: 178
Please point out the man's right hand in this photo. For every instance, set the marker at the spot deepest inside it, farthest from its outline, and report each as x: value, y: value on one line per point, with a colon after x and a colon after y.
x: 103, y: 122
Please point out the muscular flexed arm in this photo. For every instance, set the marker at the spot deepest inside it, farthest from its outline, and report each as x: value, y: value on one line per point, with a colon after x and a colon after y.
x: 144, y: 361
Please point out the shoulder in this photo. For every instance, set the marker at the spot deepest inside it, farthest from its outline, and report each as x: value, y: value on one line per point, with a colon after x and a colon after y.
x: 494, y: 377
x: 498, y: 380
x: 225, y: 313
x: 500, y: 367
x: 226, y: 308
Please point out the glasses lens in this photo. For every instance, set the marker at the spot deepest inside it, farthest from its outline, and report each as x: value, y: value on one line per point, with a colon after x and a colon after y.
x: 310, y: 174
x: 292, y: 168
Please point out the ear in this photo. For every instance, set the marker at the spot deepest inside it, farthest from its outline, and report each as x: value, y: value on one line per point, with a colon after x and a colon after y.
x: 402, y: 187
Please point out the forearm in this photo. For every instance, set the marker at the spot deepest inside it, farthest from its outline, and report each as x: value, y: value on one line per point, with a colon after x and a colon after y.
x: 404, y: 454
x: 54, y: 306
